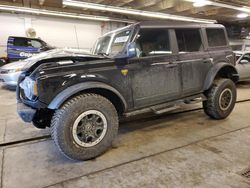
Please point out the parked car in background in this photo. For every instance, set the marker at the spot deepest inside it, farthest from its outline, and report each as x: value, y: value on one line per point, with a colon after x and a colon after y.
x: 240, y: 45
x: 10, y: 73
x: 23, y: 47
x: 243, y: 64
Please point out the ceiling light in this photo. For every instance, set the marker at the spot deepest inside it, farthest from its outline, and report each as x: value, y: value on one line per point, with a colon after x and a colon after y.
x: 101, y: 7
x: 223, y: 5
x: 61, y: 14
x: 201, y: 3
x: 242, y: 15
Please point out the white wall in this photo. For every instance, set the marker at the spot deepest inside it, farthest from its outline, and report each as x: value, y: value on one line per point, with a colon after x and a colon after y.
x: 55, y: 31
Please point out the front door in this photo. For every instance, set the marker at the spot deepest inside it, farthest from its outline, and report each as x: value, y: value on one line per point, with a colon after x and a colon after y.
x: 155, y: 74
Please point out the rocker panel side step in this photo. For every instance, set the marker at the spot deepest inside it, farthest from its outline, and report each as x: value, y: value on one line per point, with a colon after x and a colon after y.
x: 166, y: 107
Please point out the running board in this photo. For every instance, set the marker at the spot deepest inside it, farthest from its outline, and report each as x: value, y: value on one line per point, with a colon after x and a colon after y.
x: 193, y: 101
x: 164, y: 110
x: 169, y: 106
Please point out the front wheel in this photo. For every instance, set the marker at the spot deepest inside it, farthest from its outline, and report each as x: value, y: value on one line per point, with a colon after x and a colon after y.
x: 221, y: 98
x: 85, y: 126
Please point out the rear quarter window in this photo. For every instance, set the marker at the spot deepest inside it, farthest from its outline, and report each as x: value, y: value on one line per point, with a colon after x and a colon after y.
x: 216, y: 37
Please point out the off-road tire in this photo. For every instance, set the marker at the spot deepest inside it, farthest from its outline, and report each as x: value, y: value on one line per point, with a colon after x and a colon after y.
x: 64, y: 118
x: 212, y: 105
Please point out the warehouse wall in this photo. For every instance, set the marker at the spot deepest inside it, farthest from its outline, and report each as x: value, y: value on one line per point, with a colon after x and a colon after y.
x: 58, y: 32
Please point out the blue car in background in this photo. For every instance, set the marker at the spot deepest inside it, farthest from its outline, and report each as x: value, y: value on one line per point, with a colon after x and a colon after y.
x: 19, y: 48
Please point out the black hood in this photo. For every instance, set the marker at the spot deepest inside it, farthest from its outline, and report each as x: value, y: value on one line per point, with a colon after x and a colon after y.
x: 58, y: 55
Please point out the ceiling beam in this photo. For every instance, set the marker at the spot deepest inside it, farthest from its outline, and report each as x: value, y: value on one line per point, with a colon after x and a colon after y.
x: 162, y: 5
x: 26, y: 3
x: 134, y: 12
x: 122, y: 3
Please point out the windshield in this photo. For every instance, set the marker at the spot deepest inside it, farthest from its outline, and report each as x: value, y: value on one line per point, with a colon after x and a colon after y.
x: 112, y: 44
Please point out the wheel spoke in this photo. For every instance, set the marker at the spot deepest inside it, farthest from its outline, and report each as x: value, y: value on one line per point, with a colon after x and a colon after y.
x: 90, y: 128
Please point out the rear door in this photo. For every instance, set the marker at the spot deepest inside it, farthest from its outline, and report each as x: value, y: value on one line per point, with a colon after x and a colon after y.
x: 218, y: 45
x: 195, y: 62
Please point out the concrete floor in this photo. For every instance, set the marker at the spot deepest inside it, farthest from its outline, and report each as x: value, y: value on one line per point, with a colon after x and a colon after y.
x: 173, y: 150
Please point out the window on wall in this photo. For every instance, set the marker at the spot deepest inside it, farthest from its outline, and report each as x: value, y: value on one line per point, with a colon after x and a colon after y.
x: 189, y: 40
x: 152, y: 42
x: 20, y: 42
x: 216, y: 37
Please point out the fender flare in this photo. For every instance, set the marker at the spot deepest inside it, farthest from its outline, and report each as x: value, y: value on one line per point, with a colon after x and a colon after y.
x: 215, y: 70
x: 59, y: 99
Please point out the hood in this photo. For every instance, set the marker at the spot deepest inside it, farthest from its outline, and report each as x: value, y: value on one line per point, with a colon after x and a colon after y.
x: 58, y: 53
x: 14, y: 65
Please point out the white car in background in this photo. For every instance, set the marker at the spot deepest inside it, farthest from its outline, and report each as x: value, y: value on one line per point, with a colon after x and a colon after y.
x: 10, y: 73
x: 243, y: 64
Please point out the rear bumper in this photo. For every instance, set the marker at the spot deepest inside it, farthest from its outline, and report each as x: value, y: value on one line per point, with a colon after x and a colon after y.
x: 26, y: 113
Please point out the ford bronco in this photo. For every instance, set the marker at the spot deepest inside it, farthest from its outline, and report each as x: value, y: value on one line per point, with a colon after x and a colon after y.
x: 144, y: 67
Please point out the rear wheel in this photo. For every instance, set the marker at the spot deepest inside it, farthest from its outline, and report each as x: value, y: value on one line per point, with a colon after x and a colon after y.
x: 85, y: 126
x: 221, y: 98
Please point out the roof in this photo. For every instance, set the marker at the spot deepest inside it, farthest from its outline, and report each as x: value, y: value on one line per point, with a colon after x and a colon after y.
x: 166, y: 24
x: 176, y: 24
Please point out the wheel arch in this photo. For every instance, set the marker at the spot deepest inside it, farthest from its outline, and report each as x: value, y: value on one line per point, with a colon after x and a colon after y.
x: 99, y: 88
x: 221, y: 70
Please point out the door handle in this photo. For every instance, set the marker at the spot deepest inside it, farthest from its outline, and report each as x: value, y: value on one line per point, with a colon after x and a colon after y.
x: 168, y: 64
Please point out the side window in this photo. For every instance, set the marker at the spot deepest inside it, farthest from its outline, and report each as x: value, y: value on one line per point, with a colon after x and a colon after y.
x: 20, y: 42
x: 216, y: 37
x: 35, y: 43
x: 189, y: 40
x: 152, y: 42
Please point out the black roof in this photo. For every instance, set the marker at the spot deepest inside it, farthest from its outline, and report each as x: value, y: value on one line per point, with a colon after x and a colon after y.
x: 176, y: 24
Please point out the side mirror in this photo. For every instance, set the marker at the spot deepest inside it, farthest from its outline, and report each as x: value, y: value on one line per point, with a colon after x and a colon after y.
x: 128, y: 52
x: 131, y: 50
x: 244, y: 61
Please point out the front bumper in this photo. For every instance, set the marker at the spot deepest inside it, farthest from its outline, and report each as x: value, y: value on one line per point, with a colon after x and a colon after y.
x: 10, y: 79
x: 26, y: 113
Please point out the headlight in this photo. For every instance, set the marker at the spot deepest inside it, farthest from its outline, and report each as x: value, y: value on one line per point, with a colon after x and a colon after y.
x: 30, y: 88
x: 14, y: 70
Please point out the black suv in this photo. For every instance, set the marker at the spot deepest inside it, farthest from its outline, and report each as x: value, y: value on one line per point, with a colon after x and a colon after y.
x: 136, y: 69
